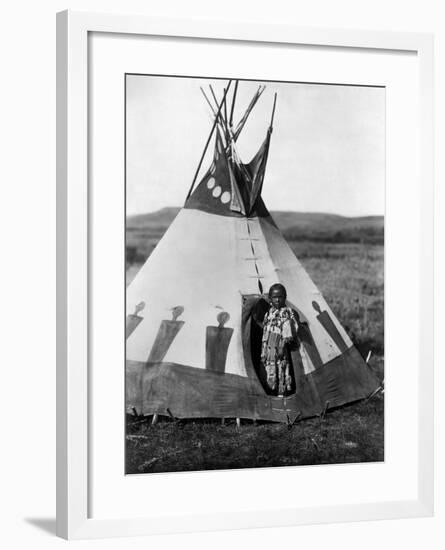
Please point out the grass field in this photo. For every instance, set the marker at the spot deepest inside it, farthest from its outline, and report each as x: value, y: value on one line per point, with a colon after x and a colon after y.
x: 350, y: 434
x: 350, y: 276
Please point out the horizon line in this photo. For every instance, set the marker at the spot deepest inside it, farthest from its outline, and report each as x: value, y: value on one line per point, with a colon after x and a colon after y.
x: 271, y: 210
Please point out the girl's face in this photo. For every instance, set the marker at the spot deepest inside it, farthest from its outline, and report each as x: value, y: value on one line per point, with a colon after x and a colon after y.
x: 277, y: 298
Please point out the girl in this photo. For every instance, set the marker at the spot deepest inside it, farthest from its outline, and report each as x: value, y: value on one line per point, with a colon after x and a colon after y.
x: 279, y: 330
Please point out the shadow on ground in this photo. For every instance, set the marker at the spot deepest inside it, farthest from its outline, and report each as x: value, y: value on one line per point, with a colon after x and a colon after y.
x: 44, y: 524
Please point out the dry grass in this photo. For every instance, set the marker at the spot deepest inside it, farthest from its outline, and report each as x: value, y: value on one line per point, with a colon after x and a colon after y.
x: 351, y: 279
x: 350, y: 434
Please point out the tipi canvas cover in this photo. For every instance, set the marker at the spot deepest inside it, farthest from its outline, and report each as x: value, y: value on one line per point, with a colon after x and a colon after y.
x: 195, y: 308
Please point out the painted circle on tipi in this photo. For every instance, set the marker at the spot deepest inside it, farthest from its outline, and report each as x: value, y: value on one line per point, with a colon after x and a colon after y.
x: 211, y: 183
x: 217, y: 191
x: 225, y: 197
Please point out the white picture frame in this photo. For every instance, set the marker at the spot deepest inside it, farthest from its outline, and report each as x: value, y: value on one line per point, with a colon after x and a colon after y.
x: 74, y: 518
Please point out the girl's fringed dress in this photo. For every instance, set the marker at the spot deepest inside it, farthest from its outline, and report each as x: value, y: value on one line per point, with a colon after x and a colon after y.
x: 279, y: 329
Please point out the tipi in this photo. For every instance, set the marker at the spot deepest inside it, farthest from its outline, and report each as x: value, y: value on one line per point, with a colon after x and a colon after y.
x: 194, y: 308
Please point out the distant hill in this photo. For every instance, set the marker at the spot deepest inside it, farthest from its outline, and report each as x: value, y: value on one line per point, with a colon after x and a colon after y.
x: 302, y: 226
x: 159, y: 219
x: 295, y: 225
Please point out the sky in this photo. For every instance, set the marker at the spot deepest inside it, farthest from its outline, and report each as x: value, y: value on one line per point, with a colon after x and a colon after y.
x: 327, y: 152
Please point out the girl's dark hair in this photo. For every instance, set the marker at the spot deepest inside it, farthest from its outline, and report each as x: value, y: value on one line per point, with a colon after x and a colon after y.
x: 277, y: 286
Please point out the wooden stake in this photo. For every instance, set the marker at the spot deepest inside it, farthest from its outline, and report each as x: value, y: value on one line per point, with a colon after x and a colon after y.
x: 238, y: 422
x: 154, y: 419
x: 375, y: 392
x: 324, y: 411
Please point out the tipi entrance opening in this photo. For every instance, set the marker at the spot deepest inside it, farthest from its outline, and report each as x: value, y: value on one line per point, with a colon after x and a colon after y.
x: 254, y: 309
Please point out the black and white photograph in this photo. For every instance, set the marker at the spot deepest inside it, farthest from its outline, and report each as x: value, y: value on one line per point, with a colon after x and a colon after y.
x: 254, y: 252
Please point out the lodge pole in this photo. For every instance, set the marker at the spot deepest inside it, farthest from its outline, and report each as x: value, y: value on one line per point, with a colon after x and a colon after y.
x: 232, y: 108
x: 208, y: 141
x: 273, y: 109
